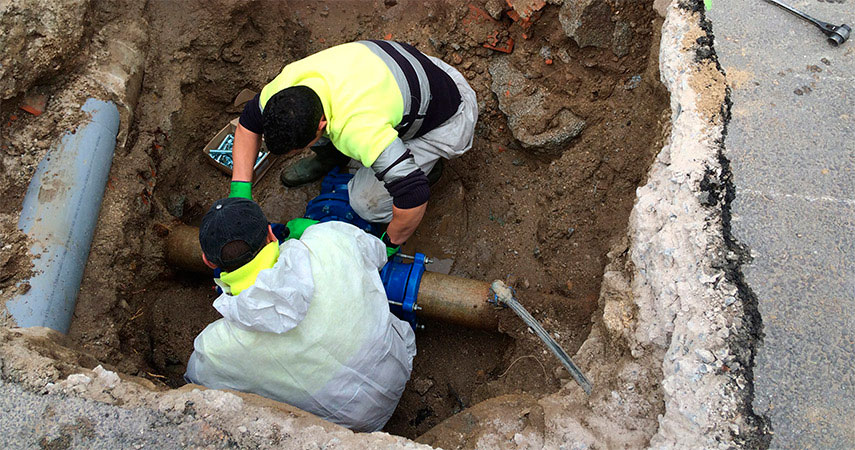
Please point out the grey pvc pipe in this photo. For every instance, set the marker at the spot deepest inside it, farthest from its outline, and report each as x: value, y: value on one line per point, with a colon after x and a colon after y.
x: 59, y: 214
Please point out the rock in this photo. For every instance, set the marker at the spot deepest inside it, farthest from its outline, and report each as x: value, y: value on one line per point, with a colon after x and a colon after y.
x: 422, y: 385
x: 175, y: 204
x: 632, y: 83
x: 534, y: 116
x: 588, y: 22
x: 622, y: 39
x: 495, y: 8
x: 40, y: 38
x: 705, y: 355
x: 661, y: 6
x: 34, y: 104
x: 526, y: 8
x: 545, y: 52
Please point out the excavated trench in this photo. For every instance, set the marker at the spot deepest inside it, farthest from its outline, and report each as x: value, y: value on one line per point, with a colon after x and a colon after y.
x: 535, y: 208
x: 542, y: 218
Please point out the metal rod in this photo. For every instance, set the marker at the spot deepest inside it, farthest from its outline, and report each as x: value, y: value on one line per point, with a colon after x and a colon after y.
x: 798, y: 13
x: 505, y: 295
x: 411, y: 257
x: 836, y: 34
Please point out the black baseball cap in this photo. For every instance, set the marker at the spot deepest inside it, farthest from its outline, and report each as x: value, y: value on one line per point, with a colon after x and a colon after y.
x: 236, y: 221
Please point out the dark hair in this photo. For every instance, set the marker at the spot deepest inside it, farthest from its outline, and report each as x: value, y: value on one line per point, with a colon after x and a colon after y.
x: 291, y: 119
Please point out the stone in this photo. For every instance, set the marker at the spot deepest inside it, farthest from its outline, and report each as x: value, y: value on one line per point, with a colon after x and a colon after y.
x: 40, y: 38
x: 705, y: 355
x: 622, y: 39
x: 533, y: 114
x: 588, y: 22
x: 661, y: 6
x: 175, y: 205
x: 632, y: 83
x: 34, y: 104
x: 526, y: 8
x: 422, y: 385
x: 495, y: 8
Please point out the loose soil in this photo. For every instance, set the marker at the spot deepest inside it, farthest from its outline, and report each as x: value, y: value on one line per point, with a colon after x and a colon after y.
x: 542, y: 223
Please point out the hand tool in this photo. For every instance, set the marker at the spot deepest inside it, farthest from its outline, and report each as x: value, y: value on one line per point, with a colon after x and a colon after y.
x: 837, y: 34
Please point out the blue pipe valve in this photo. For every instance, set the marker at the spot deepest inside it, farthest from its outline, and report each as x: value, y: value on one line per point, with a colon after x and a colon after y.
x: 402, y: 281
x: 333, y: 203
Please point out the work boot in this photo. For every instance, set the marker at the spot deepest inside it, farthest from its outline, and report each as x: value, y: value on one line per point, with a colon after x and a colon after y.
x: 313, y: 168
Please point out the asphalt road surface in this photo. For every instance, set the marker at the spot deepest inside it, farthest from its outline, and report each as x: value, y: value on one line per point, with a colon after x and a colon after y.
x: 791, y: 143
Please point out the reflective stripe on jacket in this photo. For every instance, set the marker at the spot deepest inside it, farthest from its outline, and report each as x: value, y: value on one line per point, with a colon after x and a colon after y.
x: 372, y: 92
x: 361, y: 99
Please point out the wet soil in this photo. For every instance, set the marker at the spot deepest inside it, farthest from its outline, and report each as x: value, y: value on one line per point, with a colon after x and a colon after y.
x: 543, y: 223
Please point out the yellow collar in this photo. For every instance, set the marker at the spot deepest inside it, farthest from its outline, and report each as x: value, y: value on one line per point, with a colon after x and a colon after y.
x: 245, y: 275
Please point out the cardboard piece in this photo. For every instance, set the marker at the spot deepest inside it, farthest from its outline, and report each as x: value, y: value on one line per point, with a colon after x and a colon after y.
x: 243, y: 97
x: 261, y: 167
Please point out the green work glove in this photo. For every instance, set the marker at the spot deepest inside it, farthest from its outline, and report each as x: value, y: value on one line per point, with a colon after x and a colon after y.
x: 391, y: 248
x: 242, y: 189
x: 297, y: 226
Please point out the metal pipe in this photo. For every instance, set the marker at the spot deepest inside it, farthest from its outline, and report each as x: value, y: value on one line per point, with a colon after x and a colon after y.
x: 445, y: 298
x: 59, y: 214
x: 183, y: 250
x: 457, y: 300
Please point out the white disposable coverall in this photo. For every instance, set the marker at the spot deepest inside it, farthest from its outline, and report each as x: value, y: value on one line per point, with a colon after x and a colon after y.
x: 314, y: 331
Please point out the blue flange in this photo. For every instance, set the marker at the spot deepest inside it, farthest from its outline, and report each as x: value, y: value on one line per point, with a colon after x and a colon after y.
x: 334, y: 204
x: 402, y: 281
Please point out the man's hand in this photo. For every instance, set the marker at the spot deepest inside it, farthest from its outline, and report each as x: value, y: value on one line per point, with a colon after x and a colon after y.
x: 297, y: 226
x: 244, y: 153
x: 404, y: 223
x: 242, y: 189
x: 391, y: 248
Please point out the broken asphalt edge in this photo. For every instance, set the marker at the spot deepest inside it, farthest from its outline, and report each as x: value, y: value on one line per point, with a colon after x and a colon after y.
x: 730, y: 419
x: 751, y: 335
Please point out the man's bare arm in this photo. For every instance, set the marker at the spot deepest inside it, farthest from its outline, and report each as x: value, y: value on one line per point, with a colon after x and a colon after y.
x: 404, y: 223
x: 244, y: 153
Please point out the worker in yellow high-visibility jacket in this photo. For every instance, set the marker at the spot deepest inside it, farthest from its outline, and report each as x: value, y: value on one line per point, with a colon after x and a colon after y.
x: 392, y: 108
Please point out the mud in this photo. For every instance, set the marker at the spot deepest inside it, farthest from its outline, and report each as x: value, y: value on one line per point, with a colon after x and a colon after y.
x: 542, y: 220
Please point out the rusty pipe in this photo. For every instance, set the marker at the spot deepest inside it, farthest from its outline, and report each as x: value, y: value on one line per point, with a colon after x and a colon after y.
x: 457, y: 300
x: 183, y: 250
x: 441, y: 297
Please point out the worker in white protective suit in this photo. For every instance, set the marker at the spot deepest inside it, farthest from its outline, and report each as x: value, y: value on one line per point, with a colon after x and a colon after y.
x: 306, y: 322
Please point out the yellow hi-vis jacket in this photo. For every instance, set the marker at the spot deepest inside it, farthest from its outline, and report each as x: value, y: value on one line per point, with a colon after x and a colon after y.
x: 361, y: 99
